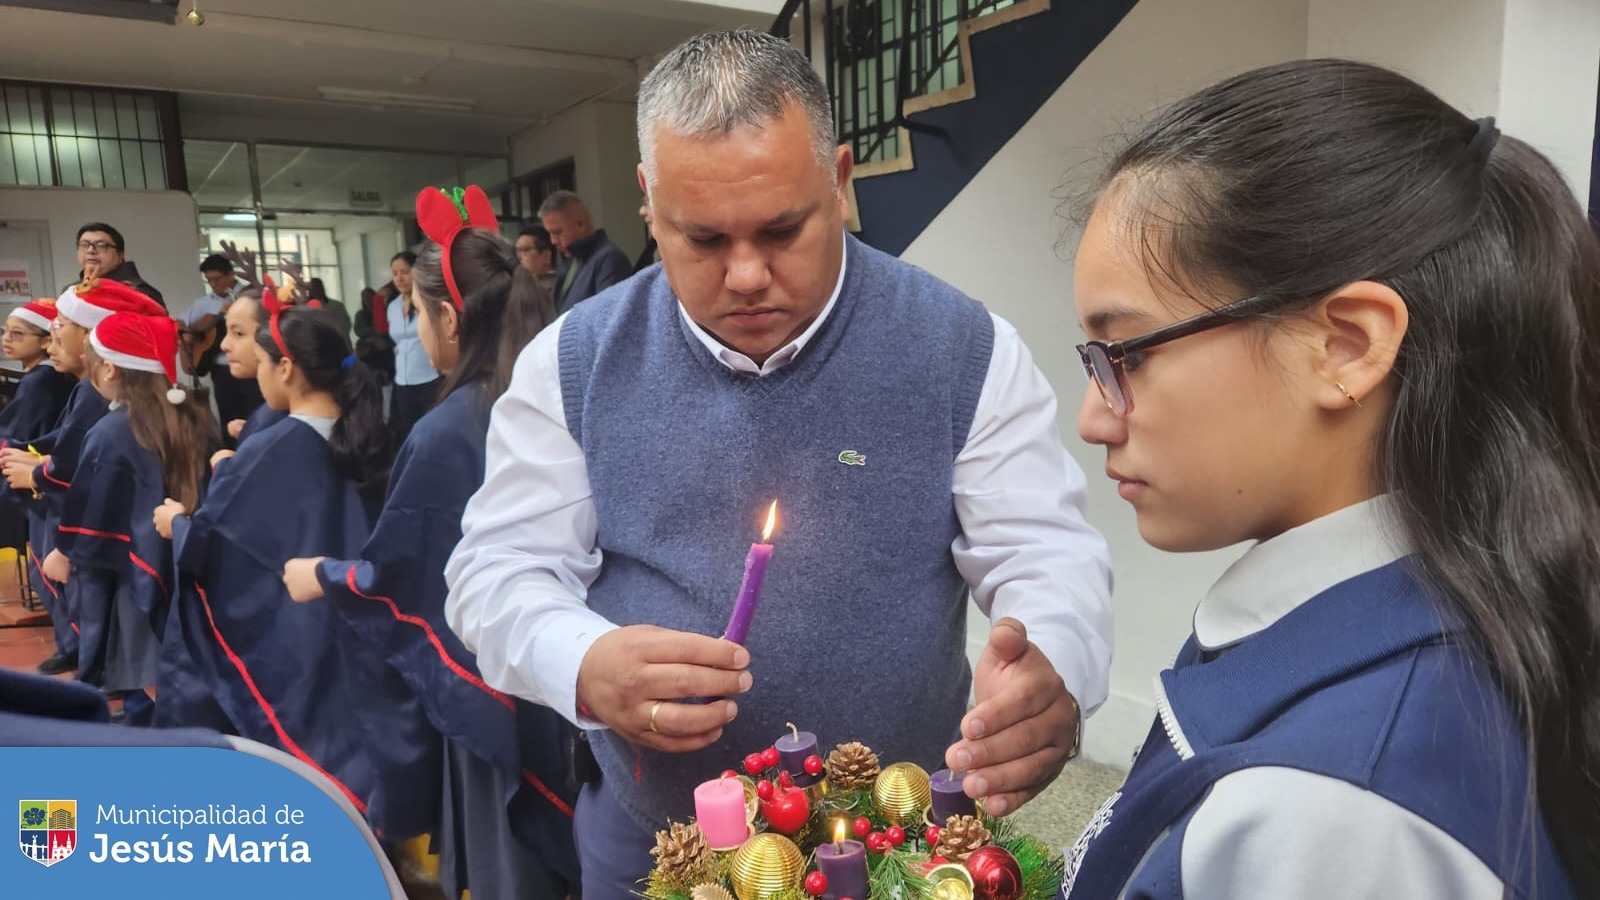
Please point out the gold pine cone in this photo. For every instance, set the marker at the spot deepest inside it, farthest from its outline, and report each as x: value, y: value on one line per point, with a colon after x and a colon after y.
x: 960, y: 836
x: 681, y: 853
x: 852, y: 767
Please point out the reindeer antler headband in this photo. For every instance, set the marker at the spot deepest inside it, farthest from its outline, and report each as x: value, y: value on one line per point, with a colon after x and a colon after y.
x: 442, y: 216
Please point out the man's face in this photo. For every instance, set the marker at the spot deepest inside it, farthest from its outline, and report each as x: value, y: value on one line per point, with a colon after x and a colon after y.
x: 563, y: 228
x: 97, y: 248
x: 532, y: 258
x: 221, y: 282
x: 749, y: 229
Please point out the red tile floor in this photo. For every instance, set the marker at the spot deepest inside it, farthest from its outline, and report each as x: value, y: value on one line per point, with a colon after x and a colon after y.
x: 25, y: 635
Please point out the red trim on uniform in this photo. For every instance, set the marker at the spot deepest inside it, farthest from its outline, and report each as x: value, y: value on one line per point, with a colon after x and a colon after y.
x: 149, y: 570
x: 74, y: 627
x: 538, y: 785
x: 39, y: 567
x: 433, y: 638
x: 109, y: 535
x: 44, y: 471
x: 272, y: 716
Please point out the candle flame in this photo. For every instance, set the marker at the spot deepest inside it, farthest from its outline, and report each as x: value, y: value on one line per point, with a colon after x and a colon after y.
x: 772, y: 519
x: 838, y: 831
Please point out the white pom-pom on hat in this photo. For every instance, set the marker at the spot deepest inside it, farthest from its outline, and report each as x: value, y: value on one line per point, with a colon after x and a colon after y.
x: 176, y: 396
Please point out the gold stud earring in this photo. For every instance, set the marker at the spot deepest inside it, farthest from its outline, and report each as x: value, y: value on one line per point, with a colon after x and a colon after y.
x: 1347, y: 395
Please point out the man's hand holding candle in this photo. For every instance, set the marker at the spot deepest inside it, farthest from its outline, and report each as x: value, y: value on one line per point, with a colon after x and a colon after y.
x: 635, y: 680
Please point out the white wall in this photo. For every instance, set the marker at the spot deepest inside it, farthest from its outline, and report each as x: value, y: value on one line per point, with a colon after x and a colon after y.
x: 1452, y: 46
x: 599, y: 137
x: 1547, y: 81
x: 998, y: 242
x: 161, y: 230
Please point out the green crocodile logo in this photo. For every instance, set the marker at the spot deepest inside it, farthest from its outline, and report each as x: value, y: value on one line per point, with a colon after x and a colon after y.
x: 852, y: 458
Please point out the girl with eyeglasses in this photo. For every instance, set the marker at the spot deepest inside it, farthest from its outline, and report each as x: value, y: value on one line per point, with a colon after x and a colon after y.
x: 1335, y: 317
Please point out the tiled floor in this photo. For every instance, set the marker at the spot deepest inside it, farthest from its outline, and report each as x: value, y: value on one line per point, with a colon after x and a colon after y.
x: 21, y: 646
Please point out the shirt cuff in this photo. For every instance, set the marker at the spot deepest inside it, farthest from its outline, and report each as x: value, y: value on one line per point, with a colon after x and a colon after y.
x: 560, y: 648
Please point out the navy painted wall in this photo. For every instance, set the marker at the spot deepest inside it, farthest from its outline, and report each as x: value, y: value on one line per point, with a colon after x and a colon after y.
x: 1018, y: 66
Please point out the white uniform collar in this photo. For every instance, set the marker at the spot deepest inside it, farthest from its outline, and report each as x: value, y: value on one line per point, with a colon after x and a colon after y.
x: 1277, y: 575
x: 738, y: 362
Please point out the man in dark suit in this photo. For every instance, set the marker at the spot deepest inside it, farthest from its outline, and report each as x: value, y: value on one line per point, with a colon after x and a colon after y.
x: 590, y: 262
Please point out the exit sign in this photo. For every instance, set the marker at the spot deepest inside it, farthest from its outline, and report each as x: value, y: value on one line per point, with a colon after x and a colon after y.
x: 365, y: 197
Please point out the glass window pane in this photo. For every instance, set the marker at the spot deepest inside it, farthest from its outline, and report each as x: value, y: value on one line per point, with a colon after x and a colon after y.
x: 89, y: 156
x: 132, y: 164
x: 219, y: 174
x: 21, y: 117
x: 149, y: 119
x: 83, y: 110
x: 8, y: 162
x: 111, y: 162
x: 27, y: 161
x: 61, y: 109
x: 67, y: 159
x: 155, y: 166
x: 105, y: 114
x: 127, y: 118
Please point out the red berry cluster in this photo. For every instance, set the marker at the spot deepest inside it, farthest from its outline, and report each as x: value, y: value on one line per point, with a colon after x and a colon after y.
x: 878, y: 841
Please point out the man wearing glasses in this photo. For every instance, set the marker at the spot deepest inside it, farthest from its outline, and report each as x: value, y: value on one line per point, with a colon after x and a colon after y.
x: 101, y: 246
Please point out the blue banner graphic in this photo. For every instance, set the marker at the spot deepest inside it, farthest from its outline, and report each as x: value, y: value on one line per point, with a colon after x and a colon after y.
x: 176, y: 821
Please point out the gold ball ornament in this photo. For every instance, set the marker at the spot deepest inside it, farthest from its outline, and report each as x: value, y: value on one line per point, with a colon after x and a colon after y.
x: 901, y: 792
x: 764, y: 865
x: 950, y: 881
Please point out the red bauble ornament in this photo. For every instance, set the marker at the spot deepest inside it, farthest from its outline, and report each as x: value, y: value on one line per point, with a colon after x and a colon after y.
x: 862, y: 826
x: 995, y: 874
x: 896, y: 835
x: 816, y: 884
x: 764, y: 790
x: 769, y: 757
x: 932, y: 835
x: 813, y: 765
x: 787, y: 810
x: 753, y: 764
x: 877, y: 843
x: 729, y: 773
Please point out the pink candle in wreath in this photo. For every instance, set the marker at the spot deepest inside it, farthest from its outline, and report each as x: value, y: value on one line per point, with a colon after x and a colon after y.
x: 719, y: 809
x: 755, y: 571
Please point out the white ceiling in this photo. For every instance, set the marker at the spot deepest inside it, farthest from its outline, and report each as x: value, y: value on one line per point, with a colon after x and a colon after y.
x: 254, y: 70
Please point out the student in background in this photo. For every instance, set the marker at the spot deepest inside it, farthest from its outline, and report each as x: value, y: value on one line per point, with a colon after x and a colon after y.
x: 44, y: 468
x: 507, y: 795
x: 152, y: 444
x: 43, y: 390
x: 287, y: 674
x: 416, y: 381
x: 242, y: 320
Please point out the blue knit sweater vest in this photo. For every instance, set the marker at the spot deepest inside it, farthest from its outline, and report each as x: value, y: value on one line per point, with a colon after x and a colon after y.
x: 861, y: 629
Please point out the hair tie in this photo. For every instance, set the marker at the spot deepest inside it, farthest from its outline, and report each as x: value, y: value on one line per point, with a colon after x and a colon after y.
x: 1483, y: 141
x: 348, y: 362
x: 443, y: 216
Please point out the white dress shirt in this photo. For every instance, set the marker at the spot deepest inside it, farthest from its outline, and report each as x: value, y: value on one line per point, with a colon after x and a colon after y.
x: 1286, y: 833
x: 520, y: 575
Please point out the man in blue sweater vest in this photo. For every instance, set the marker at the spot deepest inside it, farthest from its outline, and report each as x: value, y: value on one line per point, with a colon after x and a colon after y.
x: 905, y: 432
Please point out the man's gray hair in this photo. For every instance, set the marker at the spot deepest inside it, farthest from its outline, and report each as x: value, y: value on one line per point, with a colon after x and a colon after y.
x: 714, y: 83
x: 560, y: 201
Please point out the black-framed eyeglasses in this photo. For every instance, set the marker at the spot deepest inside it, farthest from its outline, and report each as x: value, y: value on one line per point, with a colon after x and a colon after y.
x: 102, y: 246
x: 1103, y: 361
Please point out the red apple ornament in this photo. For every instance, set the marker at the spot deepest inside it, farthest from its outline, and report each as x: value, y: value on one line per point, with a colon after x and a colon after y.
x: 787, y: 810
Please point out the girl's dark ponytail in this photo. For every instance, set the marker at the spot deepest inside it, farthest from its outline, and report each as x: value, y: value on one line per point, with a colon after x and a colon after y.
x: 320, y: 348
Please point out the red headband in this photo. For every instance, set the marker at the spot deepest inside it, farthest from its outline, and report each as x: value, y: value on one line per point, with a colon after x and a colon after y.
x: 442, y: 216
x: 269, y: 300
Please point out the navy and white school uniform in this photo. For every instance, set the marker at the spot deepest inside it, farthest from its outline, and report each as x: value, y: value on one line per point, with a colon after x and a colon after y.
x: 41, y: 395
x: 80, y: 410
x: 260, y: 419
x: 1325, y: 732
x: 507, y: 786
x: 290, y: 674
x: 44, y: 436
x: 120, y: 565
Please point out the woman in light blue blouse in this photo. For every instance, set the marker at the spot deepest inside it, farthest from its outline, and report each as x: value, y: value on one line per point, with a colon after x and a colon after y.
x: 416, y: 381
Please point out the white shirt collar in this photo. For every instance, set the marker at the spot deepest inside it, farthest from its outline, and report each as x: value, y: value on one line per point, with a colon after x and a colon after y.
x: 322, y: 424
x: 1276, y: 576
x: 743, y: 364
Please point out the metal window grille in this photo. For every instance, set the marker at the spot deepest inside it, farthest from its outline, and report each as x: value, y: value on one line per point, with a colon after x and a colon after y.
x: 64, y: 136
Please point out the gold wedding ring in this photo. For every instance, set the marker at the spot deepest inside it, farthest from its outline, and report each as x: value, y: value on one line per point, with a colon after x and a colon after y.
x: 655, y: 708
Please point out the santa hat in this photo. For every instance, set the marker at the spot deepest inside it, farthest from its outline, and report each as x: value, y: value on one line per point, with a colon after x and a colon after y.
x: 90, y: 303
x: 142, y: 343
x: 41, y: 314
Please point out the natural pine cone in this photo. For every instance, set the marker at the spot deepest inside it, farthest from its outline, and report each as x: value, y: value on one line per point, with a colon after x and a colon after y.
x: 852, y: 766
x: 681, y: 854
x: 960, y: 836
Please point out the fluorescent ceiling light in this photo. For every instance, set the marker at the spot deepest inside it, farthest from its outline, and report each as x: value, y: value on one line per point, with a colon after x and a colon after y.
x: 397, y: 101
x: 238, y: 217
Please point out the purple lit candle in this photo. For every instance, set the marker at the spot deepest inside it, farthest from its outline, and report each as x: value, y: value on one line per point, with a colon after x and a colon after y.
x: 845, y: 864
x: 948, y: 797
x: 719, y: 809
x: 755, y: 570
